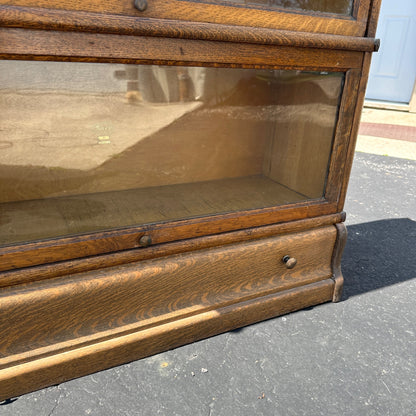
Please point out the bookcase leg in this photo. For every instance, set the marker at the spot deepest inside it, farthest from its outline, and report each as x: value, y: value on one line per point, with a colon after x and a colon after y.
x: 336, y: 261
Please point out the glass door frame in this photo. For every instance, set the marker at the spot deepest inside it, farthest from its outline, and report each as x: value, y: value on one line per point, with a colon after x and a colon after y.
x: 70, y: 46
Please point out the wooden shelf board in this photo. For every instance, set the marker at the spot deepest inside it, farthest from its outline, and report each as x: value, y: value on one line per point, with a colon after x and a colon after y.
x: 47, y: 218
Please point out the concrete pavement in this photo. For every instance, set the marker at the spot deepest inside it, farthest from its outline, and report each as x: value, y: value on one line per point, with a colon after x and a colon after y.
x: 388, y: 133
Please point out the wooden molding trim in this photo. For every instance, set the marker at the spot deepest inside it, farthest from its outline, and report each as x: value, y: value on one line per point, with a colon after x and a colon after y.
x: 56, y: 368
x: 338, y: 278
x: 98, y: 47
x: 342, y: 134
x: 373, y: 18
x: 66, y: 248
x: 223, y: 14
x: 62, y: 314
x: 361, y: 10
x: 39, y: 18
x: 47, y: 271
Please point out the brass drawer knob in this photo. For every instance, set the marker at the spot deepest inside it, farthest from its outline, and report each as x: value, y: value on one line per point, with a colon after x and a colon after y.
x: 140, y: 5
x: 290, y: 262
x: 145, y: 240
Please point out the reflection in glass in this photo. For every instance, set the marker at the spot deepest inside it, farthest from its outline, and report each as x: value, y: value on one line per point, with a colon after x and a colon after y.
x: 91, y: 147
x: 343, y: 7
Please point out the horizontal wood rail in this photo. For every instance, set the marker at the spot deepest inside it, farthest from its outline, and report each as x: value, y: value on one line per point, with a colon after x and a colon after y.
x: 40, y: 18
x: 47, y: 271
x: 59, y: 364
x: 66, y: 248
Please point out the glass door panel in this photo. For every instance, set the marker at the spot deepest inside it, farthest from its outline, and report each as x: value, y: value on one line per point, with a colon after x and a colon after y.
x: 343, y: 7
x: 93, y: 147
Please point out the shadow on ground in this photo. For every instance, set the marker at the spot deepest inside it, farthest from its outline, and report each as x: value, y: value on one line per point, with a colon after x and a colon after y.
x: 379, y: 254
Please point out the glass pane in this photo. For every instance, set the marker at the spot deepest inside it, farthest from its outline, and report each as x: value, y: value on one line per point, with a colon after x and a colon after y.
x: 91, y: 147
x: 343, y: 7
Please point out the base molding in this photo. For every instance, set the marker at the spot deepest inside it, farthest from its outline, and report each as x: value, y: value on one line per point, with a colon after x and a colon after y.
x: 55, y: 369
x: 74, y: 325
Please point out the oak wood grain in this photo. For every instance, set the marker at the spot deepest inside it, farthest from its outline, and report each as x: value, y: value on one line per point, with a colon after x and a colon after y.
x: 48, y: 271
x: 219, y: 14
x: 93, y: 212
x: 37, y: 18
x: 140, y: 295
x: 373, y: 18
x: 50, y: 251
x: 92, y: 47
x: 56, y: 368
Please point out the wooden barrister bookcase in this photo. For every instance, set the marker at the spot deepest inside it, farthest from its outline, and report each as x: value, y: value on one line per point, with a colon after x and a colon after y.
x: 170, y: 170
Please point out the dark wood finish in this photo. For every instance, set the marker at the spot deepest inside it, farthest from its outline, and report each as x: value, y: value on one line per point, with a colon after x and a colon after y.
x: 32, y: 274
x: 361, y: 11
x: 36, y: 18
x: 373, y: 18
x: 91, y: 47
x: 218, y: 14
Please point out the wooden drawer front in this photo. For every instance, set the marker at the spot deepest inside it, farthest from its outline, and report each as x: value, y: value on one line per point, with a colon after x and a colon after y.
x: 209, y: 12
x: 64, y: 312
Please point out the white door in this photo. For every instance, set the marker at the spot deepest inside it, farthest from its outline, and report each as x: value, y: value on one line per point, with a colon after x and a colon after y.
x: 393, y: 68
